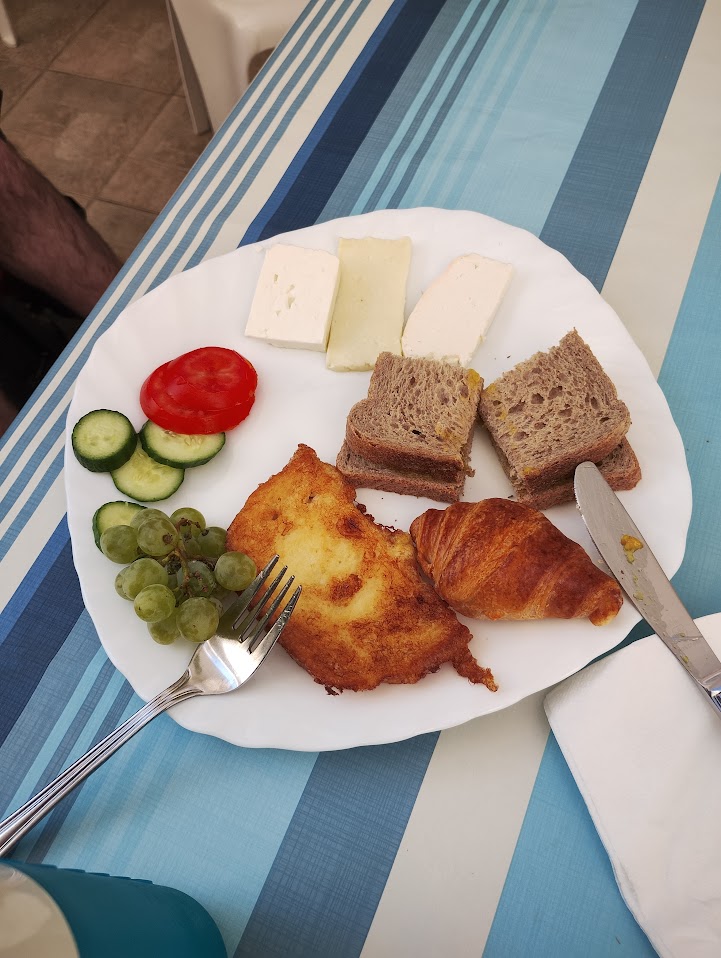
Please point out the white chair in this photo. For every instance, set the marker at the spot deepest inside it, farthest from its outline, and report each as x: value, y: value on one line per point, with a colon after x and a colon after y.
x: 215, y: 42
x: 6, y: 28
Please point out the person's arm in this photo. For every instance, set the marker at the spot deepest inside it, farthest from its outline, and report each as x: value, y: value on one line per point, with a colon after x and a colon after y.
x: 45, y: 242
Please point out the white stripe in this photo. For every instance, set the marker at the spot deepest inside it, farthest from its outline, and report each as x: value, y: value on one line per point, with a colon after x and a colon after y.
x: 653, y: 261
x: 32, y: 540
x: 460, y: 837
x: 42, y: 469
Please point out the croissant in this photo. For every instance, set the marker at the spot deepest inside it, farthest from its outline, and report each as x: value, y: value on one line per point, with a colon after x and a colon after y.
x: 499, y: 559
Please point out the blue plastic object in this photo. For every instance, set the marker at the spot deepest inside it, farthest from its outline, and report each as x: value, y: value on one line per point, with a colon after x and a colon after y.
x: 116, y: 917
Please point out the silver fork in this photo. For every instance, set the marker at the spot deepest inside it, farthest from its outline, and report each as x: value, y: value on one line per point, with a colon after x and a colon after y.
x: 222, y: 664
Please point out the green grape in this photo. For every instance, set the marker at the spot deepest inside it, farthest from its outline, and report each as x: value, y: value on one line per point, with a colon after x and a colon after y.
x: 119, y: 544
x: 192, y: 548
x: 197, y: 619
x: 212, y: 542
x: 157, y: 537
x: 142, y: 514
x: 119, y: 585
x: 154, y: 603
x: 199, y: 580
x: 143, y: 572
x: 218, y: 603
x: 235, y: 571
x: 189, y: 522
x: 166, y: 631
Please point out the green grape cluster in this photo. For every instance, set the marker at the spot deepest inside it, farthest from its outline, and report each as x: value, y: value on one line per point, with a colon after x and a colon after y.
x: 177, y: 572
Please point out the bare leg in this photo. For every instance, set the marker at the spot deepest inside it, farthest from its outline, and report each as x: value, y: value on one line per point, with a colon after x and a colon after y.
x: 45, y: 243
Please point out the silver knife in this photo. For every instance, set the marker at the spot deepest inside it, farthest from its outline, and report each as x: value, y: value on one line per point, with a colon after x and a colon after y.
x: 637, y: 570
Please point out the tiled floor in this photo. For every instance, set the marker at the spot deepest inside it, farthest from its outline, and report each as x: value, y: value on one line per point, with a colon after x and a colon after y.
x: 92, y: 96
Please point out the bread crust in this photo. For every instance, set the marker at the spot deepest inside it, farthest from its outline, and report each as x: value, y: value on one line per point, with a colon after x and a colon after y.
x: 498, y: 559
x: 368, y: 475
x: 621, y: 470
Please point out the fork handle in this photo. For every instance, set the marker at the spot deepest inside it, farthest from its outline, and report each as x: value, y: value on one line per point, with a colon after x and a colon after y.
x: 16, y: 825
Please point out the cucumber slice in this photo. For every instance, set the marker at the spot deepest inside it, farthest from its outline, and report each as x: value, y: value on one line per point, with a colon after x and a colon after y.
x: 103, y: 440
x: 117, y: 513
x: 177, y: 449
x: 146, y: 480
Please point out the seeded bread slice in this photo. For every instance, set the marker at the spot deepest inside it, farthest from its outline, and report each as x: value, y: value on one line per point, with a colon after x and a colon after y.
x: 418, y: 417
x: 368, y: 475
x: 620, y: 469
x: 553, y: 411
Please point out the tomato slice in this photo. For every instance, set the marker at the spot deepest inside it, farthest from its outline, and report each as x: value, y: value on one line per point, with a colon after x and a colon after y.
x: 210, y: 378
x: 167, y: 413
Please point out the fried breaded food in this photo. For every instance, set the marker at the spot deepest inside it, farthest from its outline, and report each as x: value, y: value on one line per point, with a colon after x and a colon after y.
x: 366, y: 615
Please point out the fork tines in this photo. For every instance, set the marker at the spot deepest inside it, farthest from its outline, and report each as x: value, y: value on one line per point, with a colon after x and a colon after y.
x: 250, y: 626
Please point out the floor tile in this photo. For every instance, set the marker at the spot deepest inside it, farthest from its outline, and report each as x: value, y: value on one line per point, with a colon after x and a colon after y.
x: 43, y: 28
x: 142, y: 184
x: 170, y: 138
x: 77, y: 130
x: 128, y: 41
x: 121, y: 228
x: 15, y: 78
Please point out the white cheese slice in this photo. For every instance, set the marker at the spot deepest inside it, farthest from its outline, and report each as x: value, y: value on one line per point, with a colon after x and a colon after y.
x: 370, y: 307
x: 294, y: 297
x: 454, y: 314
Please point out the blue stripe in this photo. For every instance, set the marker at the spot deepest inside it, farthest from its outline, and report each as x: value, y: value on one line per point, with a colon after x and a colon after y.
x: 37, y: 844
x: 36, y: 637
x: 331, y: 868
x: 363, y: 97
x: 399, y: 111
x: 593, y: 204
x: 37, y: 572
x: 559, y: 851
x: 440, y: 114
x: 693, y: 358
x: 39, y: 730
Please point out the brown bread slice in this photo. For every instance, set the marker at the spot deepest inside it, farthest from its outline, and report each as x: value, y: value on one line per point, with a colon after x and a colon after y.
x: 419, y: 416
x: 368, y: 475
x: 553, y: 411
x: 621, y: 470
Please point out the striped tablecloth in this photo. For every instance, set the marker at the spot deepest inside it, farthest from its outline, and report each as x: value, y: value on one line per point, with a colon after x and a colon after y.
x: 595, y: 125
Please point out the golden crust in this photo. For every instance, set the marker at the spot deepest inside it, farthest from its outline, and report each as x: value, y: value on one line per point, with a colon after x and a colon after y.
x: 366, y: 615
x: 498, y: 559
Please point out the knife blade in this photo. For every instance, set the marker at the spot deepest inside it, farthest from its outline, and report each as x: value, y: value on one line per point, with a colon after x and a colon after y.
x: 637, y: 570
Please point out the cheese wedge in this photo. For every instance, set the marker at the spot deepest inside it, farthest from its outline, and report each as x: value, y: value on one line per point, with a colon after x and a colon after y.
x: 370, y: 307
x: 294, y: 297
x: 454, y: 314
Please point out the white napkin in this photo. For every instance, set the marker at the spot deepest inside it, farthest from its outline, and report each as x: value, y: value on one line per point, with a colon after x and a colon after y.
x: 645, y: 749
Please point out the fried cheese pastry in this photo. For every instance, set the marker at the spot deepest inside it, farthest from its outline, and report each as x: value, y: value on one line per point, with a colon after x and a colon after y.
x: 366, y: 615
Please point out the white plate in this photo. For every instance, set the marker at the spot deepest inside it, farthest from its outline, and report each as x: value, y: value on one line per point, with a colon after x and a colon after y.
x: 298, y: 400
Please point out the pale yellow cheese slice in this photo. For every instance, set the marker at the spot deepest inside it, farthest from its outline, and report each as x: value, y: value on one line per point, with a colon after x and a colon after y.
x: 370, y: 306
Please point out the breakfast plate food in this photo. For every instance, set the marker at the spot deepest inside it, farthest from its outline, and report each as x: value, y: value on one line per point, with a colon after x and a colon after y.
x: 299, y: 400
